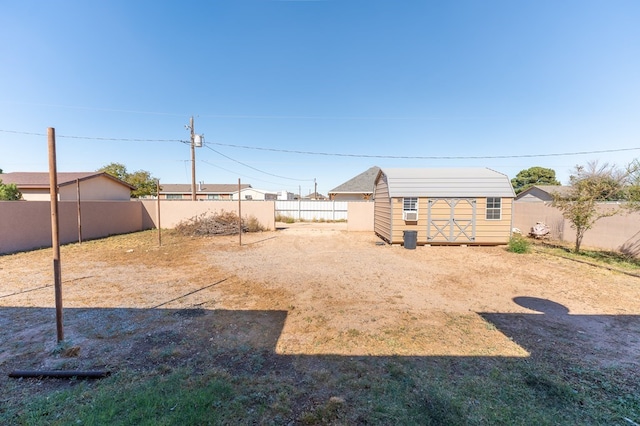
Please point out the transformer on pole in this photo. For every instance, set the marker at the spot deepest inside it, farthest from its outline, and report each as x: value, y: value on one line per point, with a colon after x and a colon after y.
x: 196, y: 142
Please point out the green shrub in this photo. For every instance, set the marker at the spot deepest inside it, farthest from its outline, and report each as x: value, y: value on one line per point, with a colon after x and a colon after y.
x: 518, y: 244
x: 284, y: 219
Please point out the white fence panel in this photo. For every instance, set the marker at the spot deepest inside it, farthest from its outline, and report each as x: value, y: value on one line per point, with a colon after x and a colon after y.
x: 312, y: 209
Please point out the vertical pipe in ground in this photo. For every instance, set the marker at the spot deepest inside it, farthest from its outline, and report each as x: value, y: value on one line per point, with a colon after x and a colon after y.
x: 55, y: 232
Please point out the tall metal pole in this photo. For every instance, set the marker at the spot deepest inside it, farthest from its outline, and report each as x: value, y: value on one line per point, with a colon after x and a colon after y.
x: 240, y: 211
x: 158, y: 211
x: 193, y: 161
x: 79, y: 212
x: 55, y: 233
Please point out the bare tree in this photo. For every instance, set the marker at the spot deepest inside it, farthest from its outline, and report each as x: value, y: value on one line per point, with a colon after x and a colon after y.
x: 592, y: 185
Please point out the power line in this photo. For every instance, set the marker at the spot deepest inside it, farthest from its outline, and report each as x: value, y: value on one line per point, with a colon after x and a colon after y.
x: 417, y: 157
x: 96, y: 138
x: 253, y: 168
x: 239, y: 174
x: 333, y: 154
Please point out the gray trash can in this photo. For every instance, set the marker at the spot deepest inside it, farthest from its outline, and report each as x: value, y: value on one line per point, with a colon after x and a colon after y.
x: 410, y: 239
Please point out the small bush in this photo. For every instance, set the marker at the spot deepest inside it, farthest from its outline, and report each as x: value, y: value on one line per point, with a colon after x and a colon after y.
x: 284, y: 219
x: 518, y: 244
x: 253, y: 225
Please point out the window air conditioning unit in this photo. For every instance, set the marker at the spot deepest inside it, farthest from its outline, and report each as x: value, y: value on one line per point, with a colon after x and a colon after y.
x: 410, y: 216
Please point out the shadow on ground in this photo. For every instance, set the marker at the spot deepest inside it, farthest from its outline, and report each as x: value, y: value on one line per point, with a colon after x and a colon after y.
x: 567, y: 353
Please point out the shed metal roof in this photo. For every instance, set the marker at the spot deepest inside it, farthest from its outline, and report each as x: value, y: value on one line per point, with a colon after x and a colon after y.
x: 447, y: 183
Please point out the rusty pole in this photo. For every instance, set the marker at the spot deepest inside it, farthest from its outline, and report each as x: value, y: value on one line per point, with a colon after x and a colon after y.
x: 239, y: 211
x: 158, y: 211
x: 79, y: 212
x: 55, y: 232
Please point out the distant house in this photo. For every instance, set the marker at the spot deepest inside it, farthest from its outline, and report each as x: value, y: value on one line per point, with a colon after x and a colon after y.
x: 443, y: 206
x: 204, y: 191
x: 93, y: 186
x: 252, y: 194
x: 541, y: 193
x: 285, y: 195
x: 314, y: 196
x: 358, y: 188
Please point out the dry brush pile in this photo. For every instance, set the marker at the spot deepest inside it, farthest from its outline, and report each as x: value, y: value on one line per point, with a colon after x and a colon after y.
x: 222, y: 223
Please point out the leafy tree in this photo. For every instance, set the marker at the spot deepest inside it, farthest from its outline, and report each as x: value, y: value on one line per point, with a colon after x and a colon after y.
x: 9, y: 192
x: 525, y: 179
x: 116, y: 169
x: 590, y: 185
x: 142, y: 180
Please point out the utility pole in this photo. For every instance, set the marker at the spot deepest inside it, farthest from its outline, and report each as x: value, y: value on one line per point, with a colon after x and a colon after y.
x: 193, y: 161
x: 196, y: 142
x: 315, y: 189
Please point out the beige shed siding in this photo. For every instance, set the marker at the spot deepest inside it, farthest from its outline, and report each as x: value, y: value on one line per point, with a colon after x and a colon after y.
x: 399, y: 224
x: 461, y: 191
x: 382, y: 210
x: 486, y: 231
x: 494, y: 231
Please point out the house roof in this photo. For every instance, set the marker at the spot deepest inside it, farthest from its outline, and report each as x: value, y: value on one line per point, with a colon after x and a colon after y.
x: 446, y: 182
x: 544, y: 190
x: 204, y: 188
x: 314, y: 195
x: 41, y: 180
x: 364, y: 183
x: 257, y: 191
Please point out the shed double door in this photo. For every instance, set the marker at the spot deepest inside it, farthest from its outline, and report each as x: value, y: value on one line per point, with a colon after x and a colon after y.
x: 451, y: 220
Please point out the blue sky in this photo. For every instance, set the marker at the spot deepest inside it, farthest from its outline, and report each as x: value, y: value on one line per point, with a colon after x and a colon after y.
x: 385, y: 83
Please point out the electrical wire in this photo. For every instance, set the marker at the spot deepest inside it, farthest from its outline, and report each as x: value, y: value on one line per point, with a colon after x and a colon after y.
x: 417, y: 157
x: 333, y: 154
x: 239, y: 174
x: 253, y: 168
x: 97, y: 138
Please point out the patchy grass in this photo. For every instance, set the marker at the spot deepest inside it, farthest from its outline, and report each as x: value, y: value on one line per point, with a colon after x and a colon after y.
x: 598, y: 257
x: 344, y: 390
x: 284, y: 219
x: 288, y: 219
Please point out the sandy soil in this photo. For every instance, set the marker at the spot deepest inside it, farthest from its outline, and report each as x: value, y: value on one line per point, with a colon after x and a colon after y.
x: 308, y: 289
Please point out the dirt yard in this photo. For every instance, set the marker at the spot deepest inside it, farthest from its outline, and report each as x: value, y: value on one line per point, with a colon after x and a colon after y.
x: 307, y: 289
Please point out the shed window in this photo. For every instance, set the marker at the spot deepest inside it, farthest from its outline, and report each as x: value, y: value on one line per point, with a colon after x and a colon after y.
x: 410, y: 204
x: 494, y: 208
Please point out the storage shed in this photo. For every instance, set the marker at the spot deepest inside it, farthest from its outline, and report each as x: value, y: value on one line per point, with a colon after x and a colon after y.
x: 445, y: 206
